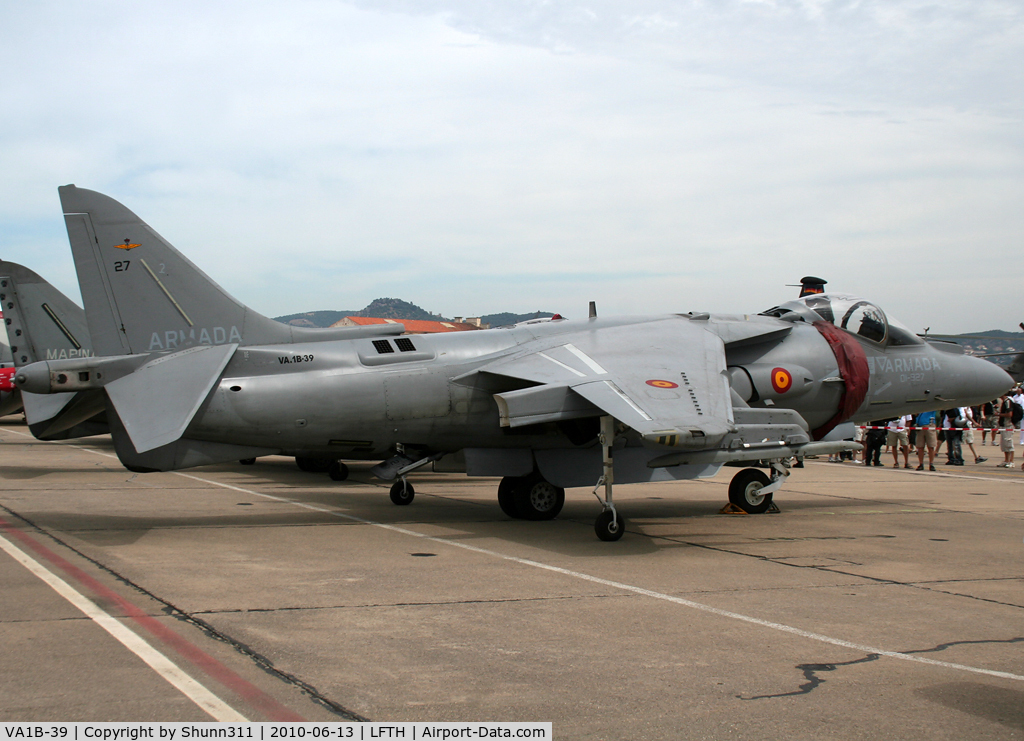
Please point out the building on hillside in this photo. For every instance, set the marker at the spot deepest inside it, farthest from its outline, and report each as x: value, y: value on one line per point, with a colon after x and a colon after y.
x: 412, y: 326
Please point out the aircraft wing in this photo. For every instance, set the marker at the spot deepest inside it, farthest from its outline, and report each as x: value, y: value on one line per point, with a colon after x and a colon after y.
x: 665, y: 379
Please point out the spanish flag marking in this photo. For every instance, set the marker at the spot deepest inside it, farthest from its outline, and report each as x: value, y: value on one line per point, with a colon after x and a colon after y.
x: 782, y: 380
x: 659, y: 384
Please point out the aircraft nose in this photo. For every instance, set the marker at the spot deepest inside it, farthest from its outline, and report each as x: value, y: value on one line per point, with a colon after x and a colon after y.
x: 990, y: 381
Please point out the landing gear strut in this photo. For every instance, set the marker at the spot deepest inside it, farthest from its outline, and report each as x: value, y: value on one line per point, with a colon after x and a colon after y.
x: 609, y: 525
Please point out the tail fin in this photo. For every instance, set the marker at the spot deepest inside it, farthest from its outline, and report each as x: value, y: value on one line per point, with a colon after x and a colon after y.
x: 44, y: 324
x: 142, y: 295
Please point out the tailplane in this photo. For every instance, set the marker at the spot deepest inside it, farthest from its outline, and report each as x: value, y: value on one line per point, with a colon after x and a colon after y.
x: 141, y: 295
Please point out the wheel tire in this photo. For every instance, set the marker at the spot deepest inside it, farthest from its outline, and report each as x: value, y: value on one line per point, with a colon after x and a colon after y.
x: 338, y: 471
x: 745, y: 491
x: 538, y: 499
x: 247, y: 461
x: 609, y: 526
x: 402, y: 493
x: 314, y: 465
x: 507, y: 496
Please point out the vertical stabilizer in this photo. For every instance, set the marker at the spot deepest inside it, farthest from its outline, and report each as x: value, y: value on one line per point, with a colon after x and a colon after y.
x: 141, y: 295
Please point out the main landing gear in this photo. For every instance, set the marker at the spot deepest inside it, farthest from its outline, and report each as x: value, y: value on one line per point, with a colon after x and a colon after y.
x: 530, y: 497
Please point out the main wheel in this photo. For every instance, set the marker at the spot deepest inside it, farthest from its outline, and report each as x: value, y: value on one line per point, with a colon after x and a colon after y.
x: 507, y: 496
x: 338, y: 471
x: 745, y: 491
x: 609, y: 525
x: 402, y: 493
x: 537, y: 499
x: 314, y: 465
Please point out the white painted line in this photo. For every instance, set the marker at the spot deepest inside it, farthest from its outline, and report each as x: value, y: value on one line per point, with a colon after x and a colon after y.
x: 609, y: 583
x: 563, y: 365
x: 163, y: 666
x: 591, y: 363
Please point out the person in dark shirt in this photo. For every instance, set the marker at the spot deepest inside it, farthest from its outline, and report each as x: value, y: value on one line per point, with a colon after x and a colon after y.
x: 874, y: 441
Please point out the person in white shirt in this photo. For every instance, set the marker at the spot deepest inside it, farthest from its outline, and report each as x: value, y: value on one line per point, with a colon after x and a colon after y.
x: 897, y: 439
x: 968, y: 414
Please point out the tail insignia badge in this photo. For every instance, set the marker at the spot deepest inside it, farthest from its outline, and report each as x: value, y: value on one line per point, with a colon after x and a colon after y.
x: 128, y: 245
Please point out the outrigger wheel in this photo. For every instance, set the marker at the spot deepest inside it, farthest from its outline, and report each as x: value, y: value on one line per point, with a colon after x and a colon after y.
x: 402, y: 492
x: 609, y: 525
x: 745, y: 491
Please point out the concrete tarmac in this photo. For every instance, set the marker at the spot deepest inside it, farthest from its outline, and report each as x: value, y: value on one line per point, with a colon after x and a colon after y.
x: 880, y: 602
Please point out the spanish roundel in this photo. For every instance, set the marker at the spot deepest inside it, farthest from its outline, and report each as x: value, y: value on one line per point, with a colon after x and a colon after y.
x: 782, y: 380
x: 660, y: 384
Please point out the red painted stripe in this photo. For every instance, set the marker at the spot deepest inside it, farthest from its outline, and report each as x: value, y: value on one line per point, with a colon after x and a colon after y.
x: 249, y: 692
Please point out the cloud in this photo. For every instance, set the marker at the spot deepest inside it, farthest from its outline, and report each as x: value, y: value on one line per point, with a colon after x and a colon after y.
x: 479, y: 157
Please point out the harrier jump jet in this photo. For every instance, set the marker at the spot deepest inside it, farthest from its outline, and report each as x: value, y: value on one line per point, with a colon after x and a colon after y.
x: 545, y: 405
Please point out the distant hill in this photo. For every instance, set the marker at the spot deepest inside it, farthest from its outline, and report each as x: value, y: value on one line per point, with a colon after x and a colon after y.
x: 315, y: 318
x: 396, y: 308
x: 989, y: 341
x: 506, y: 318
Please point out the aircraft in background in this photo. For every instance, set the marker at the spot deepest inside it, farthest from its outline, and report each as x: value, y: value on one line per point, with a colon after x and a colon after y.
x: 10, y: 396
x: 44, y: 324
x: 544, y: 405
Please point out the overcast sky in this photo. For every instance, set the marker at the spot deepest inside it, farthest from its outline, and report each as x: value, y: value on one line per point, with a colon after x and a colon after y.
x: 473, y: 156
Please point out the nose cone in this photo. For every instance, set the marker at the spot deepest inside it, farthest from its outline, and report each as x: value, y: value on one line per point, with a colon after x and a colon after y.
x: 989, y: 382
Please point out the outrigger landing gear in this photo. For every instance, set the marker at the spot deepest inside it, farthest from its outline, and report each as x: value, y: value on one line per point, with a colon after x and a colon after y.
x: 398, y: 466
x: 751, y: 490
x: 609, y: 525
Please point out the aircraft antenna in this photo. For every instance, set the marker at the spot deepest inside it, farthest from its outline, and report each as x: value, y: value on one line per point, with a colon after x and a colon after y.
x: 593, y: 309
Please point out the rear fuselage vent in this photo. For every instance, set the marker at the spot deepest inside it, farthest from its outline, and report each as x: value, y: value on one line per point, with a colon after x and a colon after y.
x: 383, y: 346
x: 405, y: 344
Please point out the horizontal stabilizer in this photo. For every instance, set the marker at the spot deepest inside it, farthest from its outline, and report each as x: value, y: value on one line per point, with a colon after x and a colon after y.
x: 158, y: 401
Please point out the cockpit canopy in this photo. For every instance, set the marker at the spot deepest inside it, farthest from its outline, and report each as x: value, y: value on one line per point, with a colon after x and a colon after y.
x: 853, y: 314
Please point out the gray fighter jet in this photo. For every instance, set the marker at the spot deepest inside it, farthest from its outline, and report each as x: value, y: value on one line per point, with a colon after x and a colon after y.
x: 545, y: 405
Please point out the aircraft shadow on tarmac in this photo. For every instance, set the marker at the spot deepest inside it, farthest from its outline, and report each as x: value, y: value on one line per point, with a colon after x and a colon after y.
x: 996, y: 704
